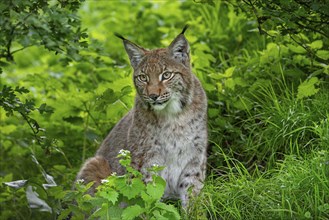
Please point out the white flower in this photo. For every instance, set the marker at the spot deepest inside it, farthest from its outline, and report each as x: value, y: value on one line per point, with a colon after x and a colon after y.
x: 104, y: 181
x: 80, y: 181
x: 124, y: 152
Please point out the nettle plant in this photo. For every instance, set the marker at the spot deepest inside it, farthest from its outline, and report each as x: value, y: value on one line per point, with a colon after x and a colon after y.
x: 121, y: 197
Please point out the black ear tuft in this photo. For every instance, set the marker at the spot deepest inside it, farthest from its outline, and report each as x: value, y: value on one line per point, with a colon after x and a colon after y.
x: 135, y: 52
x: 179, y: 48
x: 184, y: 29
x: 119, y: 36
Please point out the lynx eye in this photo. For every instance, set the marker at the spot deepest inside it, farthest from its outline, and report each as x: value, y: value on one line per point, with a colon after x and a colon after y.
x: 166, y: 76
x: 142, y: 78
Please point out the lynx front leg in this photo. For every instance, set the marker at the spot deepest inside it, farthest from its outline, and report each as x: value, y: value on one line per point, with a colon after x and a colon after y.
x: 147, y: 161
x: 192, y: 176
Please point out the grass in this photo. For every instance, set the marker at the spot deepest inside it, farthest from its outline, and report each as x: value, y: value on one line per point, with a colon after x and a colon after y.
x: 296, y: 189
x: 293, y: 184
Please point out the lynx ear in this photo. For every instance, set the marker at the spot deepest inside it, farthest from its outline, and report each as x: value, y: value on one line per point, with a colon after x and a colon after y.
x: 179, y: 48
x: 135, y: 52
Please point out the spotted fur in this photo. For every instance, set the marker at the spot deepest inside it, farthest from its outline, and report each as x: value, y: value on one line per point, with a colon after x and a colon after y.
x: 168, y: 124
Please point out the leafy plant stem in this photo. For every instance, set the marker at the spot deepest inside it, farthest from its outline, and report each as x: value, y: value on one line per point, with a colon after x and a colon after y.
x: 91, y: 116
x: 35, y: 133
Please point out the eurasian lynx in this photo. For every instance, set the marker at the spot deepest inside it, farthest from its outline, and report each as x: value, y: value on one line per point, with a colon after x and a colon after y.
x: 167, y: 126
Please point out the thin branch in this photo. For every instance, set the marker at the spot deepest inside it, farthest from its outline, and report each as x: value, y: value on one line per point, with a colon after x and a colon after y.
x: 9, y: 54
x: 311, y: 52
x: 15, y: 51
x: 312, y: 29
x: 35, y: 133
x: 91, y: 116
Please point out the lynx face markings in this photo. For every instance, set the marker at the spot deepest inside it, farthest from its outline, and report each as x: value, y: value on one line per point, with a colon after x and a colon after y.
x: 158, y: 86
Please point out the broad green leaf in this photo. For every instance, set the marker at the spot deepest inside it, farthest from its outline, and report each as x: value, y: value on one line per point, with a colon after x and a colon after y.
x: 229, y: 72
x: 318, y: 44
x: 324, y: 207
x: 126, y: 90
x: 109, y: 194
x: 7, y: 129
x: 172, y: 212
x: 132, y: 212
x: 130, y: 190
x: 6, y: 178
x: 323, y: 54
x: 230, y: 83
x: 156, y: 188
x: 158, y: 216
x: 102, y: 212
x: 147, y: 198
x: 92, y: 202
x: 296, y: 49
x: 64, y: 214
x: 307, y: 88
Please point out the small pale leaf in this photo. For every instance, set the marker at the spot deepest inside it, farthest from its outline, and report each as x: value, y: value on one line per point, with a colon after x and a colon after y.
x: 16, y: 184
x: 35, y: 202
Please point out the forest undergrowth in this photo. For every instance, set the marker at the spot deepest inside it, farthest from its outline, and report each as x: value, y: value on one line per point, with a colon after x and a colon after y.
x: 66, y: 81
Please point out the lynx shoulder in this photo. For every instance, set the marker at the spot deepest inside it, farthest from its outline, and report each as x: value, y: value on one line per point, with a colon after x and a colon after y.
x: 168, y: 124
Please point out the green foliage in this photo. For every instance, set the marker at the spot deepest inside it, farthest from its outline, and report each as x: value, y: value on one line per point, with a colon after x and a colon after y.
x: 263, y: 64
x: 307, y: 88
x: 296, y: 189
x: 122, y: 197
x: 53, y: 25
x: 11, y: 103
x: 294, y: 18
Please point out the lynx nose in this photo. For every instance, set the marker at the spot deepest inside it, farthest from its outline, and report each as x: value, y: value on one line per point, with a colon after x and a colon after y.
x: 154, y: 97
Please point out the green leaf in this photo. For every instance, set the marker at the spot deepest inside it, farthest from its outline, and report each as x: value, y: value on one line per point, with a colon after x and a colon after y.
x: 147, y: 198
x: 230, y: 83
x: 307, y: 88
x: 229, y: 72
x: 323, y: 54
x: 64, y: 214
x: 324, y: 208
x: 109, y: 194
x: 126, y: 90
x: 158, y: 216
x: 44, y: 108
x: 130, y: 190
x: 213, y: 112
x: 308, y: 215
x: 7, y: 129
x: 318, y: 44
x: 102, y: 212
x: 107, y: 212
x: 172, y: 212
x: 156, y: 188
x: 132, y: 212
x: 296, y: 49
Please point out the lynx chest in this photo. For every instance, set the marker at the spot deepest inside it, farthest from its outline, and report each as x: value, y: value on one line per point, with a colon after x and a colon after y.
x: 173, y: 143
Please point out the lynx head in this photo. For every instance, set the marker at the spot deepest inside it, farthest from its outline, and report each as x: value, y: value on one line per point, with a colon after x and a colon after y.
x: 162, y: 77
